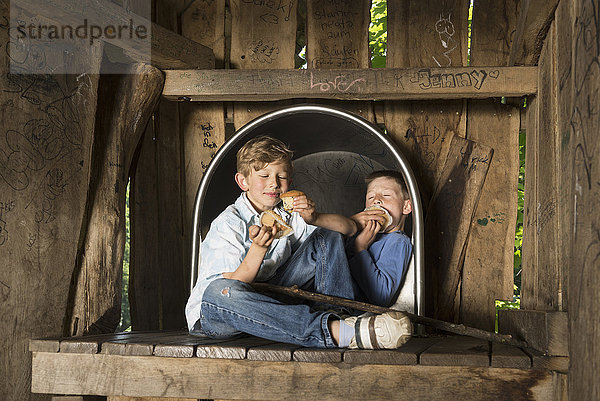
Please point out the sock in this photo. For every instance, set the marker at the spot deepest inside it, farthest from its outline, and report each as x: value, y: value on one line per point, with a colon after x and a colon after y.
x: 346, y: 334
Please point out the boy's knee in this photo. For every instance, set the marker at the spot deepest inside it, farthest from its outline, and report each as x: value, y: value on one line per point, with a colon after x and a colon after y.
x: 222, y: 289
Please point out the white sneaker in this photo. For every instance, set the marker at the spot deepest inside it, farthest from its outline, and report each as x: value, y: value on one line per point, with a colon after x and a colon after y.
x: 389, y: 330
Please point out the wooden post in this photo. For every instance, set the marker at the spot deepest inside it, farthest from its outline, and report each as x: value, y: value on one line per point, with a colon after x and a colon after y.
x: 46, y: 140
x: 119, y: 126
x: 488, y: 271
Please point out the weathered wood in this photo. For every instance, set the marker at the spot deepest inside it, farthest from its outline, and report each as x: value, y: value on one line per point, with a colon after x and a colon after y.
x: 362, y: 84
x: 231, y: 349
x: 505, y: 356
x: 565, y: 143
x: 448, y: 223
x: 535, y: 17
x: 119, y: 398
x: 408, y: 354
x: 488, y: 271
x: 547, y: 332
x: 584, y: 298
x: 263, y: 36
x: 203, y: 378
x: 337, y: 37
x: 119, y: 126
x: 457, y: 351
x: 203, y: 21
x: 277, y: 352
x: 163, y: 48
x: 45, y: 156
x: 529, y: 250
x: 363, y: 306
x: 329, y: 355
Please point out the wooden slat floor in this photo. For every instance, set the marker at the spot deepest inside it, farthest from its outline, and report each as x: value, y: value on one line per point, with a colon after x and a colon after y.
x: 430, y: 351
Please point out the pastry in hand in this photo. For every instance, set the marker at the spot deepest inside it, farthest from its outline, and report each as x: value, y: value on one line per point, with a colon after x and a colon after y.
x: 271, y: 219
x: 288, y: 199
x: 385, y: 213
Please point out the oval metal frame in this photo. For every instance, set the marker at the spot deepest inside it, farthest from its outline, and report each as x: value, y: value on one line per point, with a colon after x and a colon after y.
x: 409, y: 177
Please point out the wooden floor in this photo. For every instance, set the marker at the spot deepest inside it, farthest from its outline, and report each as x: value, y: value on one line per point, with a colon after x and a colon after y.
x: 175, y: 364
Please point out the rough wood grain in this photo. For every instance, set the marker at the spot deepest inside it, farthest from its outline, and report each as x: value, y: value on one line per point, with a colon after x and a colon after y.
x: 203, y: 21
x: 330, y: 355
x: 544, y: 331
x: 488, y: 269
x: 535, y: 17
x: 457, y: 351
x: 505, y: 356
x: 119, y: 126
x: 203, y: 378
x: 448, y: 223
x: 365, y: 84
x: 46, y: 140
x: 408, y: 354
x: 278, y: 352
x: 263, y: 36
x: 230, y: 349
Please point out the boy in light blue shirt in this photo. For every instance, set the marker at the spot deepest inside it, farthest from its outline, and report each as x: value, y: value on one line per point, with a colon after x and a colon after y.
x: 237, y: 251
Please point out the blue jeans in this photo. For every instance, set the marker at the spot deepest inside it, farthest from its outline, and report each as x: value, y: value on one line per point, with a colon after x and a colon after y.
x: 230, y: 307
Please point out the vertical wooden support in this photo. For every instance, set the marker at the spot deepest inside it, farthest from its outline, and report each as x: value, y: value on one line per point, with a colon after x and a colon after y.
x: 119, y: 126
x: 263, y: 36
x: 417, y: 37
x: 46, y: 140
x: 159, y: 198
x: 428, y: 34
x: 202, y: 124
x: 488, y: 268
x: 584, y: 280
x: 337, y: 36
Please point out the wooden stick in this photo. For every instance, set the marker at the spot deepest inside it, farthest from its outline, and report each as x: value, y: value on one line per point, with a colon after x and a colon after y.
x: 363, y: 306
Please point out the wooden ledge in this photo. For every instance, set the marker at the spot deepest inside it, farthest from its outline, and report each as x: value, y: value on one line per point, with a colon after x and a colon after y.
x: 175, y: 364
x: 350, y: 84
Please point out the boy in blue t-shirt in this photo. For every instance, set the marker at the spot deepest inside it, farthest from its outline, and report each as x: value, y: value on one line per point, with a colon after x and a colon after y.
x: 378, y: 258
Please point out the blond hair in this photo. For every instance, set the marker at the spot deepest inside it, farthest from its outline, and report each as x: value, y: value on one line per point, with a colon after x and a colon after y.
x: 394, y: 175
x: 260, y: 151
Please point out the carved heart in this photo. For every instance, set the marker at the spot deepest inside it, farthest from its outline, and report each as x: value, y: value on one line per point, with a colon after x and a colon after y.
x: 494, y: 74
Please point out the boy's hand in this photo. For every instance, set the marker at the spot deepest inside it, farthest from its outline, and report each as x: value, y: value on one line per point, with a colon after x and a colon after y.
x: 306, y: 207
x: 366, y: 237
x: 363, y: 218
x: 262, y: 236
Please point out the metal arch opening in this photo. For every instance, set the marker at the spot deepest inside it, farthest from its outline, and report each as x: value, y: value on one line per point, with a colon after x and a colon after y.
x: 333, y: 151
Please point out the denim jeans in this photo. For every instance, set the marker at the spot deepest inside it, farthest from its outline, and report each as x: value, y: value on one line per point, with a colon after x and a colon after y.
x: 230, y: 307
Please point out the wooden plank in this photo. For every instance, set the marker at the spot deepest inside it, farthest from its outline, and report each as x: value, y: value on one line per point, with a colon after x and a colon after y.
x: 408, y: 354
x: 457, y: 351
x: 118, y: 398
x: 584, y: 299
x: 277, y: 352
x: 505, y: 356
x: 448, y: 223
x: 565, y: 142
x: 337, y: 37
x: 361, y: 84
x: 263, y: 36
x: 547, y: 332
x: 529, y: 251
x: 45, y: 158
x: 488, y: 269
x: 203, y: 21
x: 182, y: 346
x: 203, y: 378
x: 97, y: 299
x: 329, y: 355
x: 164, y: 49
x: 230, y: 349
x: 547, y: 292
x: 535, y: 17
x: 44, y: 345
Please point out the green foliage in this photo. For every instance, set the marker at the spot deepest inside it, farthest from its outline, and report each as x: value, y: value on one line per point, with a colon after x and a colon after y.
x: 378, y: 33
x: 125, y: 324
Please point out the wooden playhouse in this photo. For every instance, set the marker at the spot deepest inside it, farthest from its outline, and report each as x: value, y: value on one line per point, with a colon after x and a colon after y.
x: 453, y: 98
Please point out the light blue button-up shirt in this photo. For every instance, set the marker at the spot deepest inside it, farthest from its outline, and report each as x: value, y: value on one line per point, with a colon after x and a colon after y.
x: 228, y: 241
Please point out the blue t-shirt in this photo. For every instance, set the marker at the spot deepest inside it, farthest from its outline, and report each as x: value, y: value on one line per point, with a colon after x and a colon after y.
x: 379, y: 270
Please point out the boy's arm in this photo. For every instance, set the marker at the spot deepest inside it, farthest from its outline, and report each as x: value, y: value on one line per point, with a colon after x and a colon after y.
x: 261, y: 238
x: 335, y: 222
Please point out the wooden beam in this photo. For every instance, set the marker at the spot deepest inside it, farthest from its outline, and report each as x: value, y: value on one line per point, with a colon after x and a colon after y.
x: 350, y: 84
x: 166, y: 49
x: 146, y: 376
x: 546, y: 332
